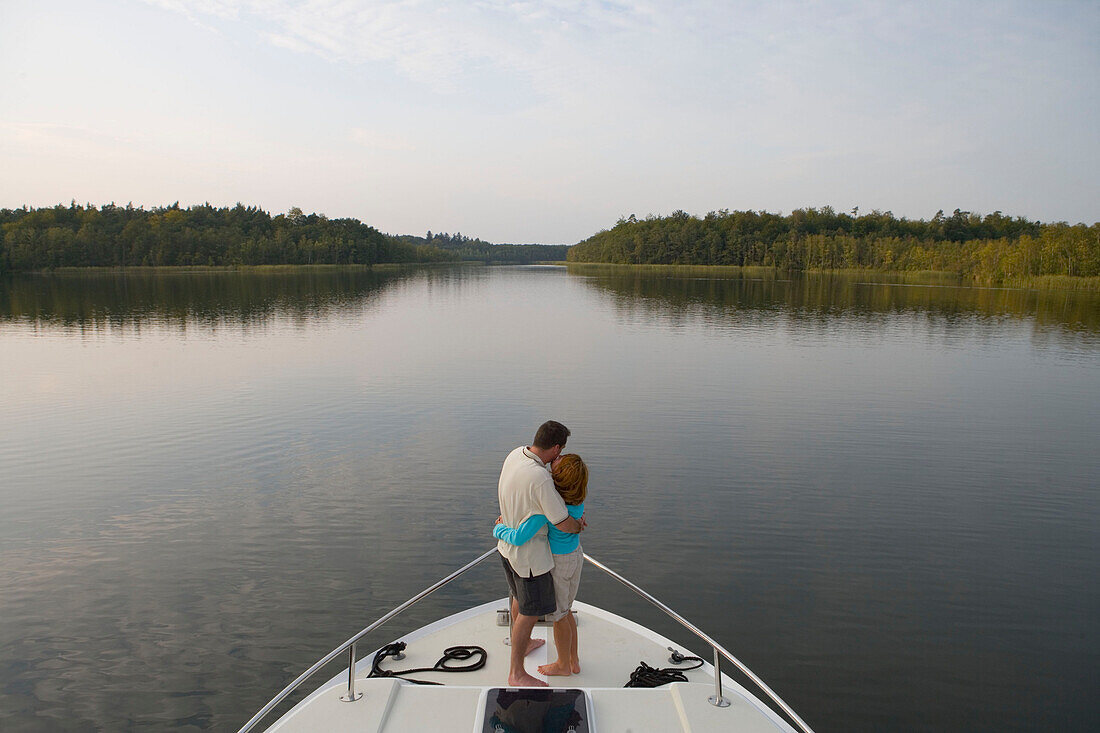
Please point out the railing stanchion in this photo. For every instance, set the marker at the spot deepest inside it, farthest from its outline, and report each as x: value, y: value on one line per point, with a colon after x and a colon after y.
x: 716, y: 699
x: 351, y: 695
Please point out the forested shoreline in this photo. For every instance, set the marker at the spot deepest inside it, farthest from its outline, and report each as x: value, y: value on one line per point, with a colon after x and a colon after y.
x: 993, y: 249
x: 116, y: 236
x: 204, y: 235
x: 476, y: 250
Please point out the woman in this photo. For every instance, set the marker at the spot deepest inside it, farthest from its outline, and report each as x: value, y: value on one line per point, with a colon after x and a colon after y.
x: 571, y: 480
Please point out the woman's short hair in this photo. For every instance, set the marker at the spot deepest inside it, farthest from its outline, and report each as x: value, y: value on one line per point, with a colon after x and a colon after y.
x: 571, y: 479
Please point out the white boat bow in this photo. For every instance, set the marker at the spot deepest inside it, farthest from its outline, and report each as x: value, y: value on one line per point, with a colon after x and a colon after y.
x: 593, y: 701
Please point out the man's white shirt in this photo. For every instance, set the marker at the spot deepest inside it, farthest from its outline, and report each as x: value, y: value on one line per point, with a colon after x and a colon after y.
x: 526, y: 488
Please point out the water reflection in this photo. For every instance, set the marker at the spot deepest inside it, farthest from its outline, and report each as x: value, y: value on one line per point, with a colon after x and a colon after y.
x: 114, y: 299
x: 641, y: 296
x: 129, y: 299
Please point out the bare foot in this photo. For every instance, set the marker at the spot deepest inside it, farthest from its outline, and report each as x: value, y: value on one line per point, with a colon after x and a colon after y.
x: 554, y: 669
x: 576, y: 667
x: 525, y: 680
x: 534, y: 644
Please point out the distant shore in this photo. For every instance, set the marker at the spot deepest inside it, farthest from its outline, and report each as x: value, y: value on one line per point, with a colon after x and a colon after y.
x: 903, y: 277
x: 900, y: 277
x: 179, y: 269
x: 272, y: 268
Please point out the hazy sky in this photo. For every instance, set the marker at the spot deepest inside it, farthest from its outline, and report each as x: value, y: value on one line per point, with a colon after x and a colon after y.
x: 546, y: 121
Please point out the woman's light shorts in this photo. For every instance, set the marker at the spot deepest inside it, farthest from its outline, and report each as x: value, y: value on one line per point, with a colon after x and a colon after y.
x: 567, y: 579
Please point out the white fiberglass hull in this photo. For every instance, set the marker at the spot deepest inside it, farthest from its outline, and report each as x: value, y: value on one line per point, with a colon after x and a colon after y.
x: 611, y: 647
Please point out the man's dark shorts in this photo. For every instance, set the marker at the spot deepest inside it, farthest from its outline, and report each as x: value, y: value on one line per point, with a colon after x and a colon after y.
x: 535, y: 595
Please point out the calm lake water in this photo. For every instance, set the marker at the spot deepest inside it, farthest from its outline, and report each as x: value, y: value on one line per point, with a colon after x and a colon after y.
x: 882, y: 498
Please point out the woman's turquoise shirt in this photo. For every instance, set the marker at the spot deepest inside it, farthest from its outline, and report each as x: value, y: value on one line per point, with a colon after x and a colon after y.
x: 561, y: 543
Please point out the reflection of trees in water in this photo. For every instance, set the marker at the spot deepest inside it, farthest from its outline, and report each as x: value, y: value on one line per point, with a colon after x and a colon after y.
x: 810, y: 302
x: 97, y: 299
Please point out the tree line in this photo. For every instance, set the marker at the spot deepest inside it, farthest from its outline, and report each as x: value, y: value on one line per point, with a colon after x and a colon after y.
x: 115, y: 236
x: 994, y: 248
x: 477, y: 250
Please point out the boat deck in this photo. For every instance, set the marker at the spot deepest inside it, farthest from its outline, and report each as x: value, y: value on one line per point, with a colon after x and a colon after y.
x: 610, y: 646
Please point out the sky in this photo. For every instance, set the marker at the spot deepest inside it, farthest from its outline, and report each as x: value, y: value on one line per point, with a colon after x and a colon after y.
x: 548, y: 121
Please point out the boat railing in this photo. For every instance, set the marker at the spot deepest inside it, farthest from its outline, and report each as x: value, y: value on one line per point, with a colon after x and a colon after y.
x: 718, y: 650
x: 350, y: 645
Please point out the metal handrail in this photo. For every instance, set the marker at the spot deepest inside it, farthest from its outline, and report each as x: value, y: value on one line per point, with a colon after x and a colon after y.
x: 350, y: 643
x: 351, y: 695
x: 715, y: 646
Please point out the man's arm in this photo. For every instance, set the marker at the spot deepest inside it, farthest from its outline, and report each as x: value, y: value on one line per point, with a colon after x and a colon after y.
x: 570, y: 525
x: 521, y: 534
x: 553, y: 506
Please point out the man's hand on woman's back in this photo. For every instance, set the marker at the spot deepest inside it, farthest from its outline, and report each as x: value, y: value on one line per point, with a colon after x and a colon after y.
x: 572, y: 526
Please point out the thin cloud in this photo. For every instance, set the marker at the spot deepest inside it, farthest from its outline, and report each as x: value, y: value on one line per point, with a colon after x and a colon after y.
x: 377, y: 140
x: 62, y: 136
x: 433, y: 43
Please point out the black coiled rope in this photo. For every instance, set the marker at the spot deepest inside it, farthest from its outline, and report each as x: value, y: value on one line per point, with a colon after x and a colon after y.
x: 646, y: 676
x: 459, y: 653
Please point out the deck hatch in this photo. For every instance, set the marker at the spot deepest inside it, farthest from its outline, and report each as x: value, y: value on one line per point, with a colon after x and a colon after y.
x: 535, y: 710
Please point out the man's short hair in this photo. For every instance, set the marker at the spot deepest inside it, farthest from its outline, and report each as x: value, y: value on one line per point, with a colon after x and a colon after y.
x: 549, y: 434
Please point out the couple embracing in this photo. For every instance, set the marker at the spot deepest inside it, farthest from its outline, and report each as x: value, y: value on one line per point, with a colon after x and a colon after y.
x: 542, y: 495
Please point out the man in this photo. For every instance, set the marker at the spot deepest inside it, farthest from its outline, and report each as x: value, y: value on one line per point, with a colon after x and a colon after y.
x: 526, y: 488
